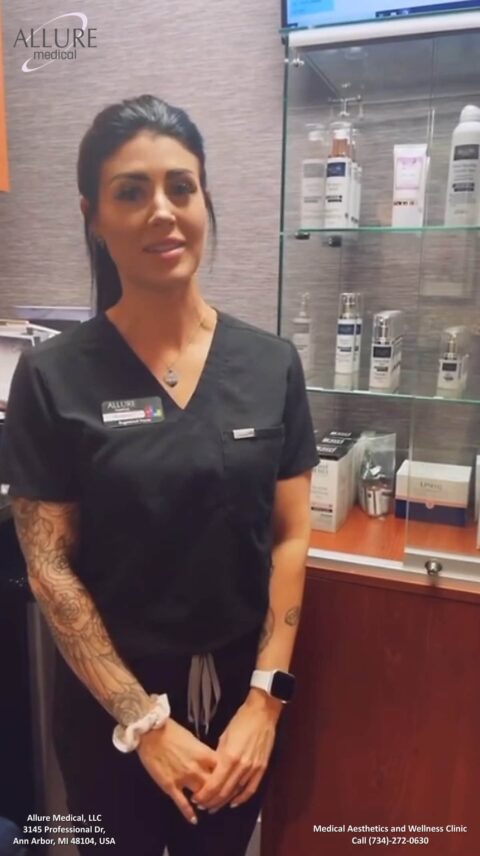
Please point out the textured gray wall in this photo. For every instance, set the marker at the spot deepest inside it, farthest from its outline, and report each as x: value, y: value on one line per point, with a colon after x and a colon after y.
x: 222, y: 61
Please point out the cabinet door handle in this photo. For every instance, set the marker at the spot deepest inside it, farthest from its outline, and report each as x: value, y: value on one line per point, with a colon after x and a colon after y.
x: 433, y: 568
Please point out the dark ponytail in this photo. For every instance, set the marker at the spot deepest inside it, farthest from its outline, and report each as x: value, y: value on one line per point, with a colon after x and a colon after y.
x: 111, y: 128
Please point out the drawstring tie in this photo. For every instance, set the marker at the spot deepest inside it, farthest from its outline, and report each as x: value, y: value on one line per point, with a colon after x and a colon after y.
x: 203, y: 683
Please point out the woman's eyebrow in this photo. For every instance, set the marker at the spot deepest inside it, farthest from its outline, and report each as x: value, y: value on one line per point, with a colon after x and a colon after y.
x: 142, y: 176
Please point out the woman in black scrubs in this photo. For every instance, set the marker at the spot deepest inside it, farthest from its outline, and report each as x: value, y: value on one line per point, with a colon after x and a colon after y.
x: 159, y: 460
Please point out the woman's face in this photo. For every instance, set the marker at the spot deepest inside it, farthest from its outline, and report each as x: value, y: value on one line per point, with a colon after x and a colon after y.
x: 151, y: 211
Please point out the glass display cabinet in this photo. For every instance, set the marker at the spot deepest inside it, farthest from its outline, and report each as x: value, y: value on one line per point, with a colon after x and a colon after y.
x: 379, y: 287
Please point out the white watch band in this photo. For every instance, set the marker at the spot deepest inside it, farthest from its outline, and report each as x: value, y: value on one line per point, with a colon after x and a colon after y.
x: 262, y: 680
x: 127, y: 739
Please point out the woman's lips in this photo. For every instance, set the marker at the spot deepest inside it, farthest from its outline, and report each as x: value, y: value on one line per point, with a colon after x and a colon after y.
x: 167, y: 254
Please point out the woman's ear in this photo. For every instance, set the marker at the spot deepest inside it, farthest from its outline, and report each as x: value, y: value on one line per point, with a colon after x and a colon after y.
x: 84, y: 206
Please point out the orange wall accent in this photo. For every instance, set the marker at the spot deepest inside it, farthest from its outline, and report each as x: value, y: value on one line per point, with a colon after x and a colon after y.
x: 4, y: 175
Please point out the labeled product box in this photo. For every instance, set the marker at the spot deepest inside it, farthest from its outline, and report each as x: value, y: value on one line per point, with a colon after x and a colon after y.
x: 333, y: 485
x: 433, y: 493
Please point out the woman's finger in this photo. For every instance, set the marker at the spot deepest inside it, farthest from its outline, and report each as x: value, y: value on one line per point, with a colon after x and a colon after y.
x: 235, y: 783
x: 183, y: 804
x: 248, y: 790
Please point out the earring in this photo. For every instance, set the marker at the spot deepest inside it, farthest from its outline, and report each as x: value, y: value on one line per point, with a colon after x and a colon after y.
x: 100, y: 241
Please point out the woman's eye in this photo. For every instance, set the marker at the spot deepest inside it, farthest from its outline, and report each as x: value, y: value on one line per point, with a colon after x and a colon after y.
x: 129, y: 193
x: 183, y: 187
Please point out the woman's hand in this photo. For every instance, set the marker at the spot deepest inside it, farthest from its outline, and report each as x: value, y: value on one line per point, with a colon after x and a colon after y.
x: 243, y: 753
x: 176, y: 759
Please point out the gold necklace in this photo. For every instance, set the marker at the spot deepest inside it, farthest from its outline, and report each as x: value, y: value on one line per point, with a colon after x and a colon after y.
x: 172, y: 377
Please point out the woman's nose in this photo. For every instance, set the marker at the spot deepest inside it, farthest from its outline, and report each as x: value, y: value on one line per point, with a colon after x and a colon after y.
x: 161, y: 209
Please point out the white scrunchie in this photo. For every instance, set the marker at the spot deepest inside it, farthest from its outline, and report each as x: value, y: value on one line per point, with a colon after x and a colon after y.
x: 127, y: 739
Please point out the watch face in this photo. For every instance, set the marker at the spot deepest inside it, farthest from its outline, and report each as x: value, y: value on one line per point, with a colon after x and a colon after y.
x: 283, y: 685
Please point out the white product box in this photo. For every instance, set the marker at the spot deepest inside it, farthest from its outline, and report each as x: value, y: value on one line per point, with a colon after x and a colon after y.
x: 436, y: 493
x: 331, y: 493
x: 348, y: 440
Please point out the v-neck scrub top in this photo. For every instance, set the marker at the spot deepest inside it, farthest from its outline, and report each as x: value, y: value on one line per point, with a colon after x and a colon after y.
x: 175, y: 511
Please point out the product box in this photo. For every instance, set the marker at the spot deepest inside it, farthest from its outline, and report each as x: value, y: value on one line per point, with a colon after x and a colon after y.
x: 433, y: 493
x: 347, y: 438
x: 333, y: 484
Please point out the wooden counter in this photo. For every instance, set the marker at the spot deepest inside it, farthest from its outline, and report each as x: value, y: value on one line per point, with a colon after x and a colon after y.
x: 384, y: 726
x: 386, y: 537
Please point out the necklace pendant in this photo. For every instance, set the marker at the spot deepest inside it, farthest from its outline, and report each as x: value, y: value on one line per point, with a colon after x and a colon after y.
x: 171, y: 378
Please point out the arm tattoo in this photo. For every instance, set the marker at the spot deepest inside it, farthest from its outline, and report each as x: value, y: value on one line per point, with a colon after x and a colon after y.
x: 292, y: 617
x: 267, y: 630
x: 48, y: 534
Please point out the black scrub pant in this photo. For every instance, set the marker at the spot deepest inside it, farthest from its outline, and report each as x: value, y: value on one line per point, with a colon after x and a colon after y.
x: 100, y: 780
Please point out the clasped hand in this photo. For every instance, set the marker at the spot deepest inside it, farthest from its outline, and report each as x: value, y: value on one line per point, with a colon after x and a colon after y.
x: 229, y: 775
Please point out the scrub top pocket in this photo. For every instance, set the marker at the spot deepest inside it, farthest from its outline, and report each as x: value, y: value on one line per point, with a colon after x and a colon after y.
x: 252, y: 459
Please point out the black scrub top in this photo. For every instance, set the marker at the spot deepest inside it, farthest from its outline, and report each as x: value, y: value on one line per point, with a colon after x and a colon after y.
x: 175, y: 504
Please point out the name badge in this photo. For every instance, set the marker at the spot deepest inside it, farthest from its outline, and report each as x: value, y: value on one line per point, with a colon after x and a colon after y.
x: 136, y: 411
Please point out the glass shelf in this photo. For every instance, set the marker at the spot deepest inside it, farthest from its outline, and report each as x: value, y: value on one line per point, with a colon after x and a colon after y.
x: 303, y: 234
x: 393, y: 396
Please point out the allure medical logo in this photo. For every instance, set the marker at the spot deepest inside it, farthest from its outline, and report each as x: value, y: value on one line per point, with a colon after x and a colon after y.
x: 60, y: 38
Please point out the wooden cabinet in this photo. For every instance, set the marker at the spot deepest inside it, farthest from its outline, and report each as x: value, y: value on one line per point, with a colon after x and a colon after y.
x: 384, y: 726
x: 4, y: 174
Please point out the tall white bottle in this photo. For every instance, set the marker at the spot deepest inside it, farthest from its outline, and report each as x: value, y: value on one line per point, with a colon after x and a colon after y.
x: 338, y: 180
x: 463, y: 191
x: 313, y: 182
x: 302, y: 335
x: 349, y: 334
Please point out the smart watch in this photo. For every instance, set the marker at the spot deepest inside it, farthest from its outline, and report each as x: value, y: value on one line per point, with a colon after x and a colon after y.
x: 278, y: 684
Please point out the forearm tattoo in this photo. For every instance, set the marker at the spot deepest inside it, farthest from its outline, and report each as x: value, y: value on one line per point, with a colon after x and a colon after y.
x: 48, y: 534
x: 267, y: 630
x: 292, y: 617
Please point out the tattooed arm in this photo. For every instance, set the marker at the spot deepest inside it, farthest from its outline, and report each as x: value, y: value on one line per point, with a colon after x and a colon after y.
x: 291, y: 529
x: 48, y: 535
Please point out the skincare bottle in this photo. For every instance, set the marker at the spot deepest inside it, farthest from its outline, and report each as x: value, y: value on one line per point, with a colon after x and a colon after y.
x: 463, y: 191
x: 386, y: 355
x: 313, y: 182
x: 409, y: 185
x: 359, y: 195
x: 352, y: 204
x: 349, y: 334
x: 453, y: 362
x: 302, y: 335
x: 337, y: 184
